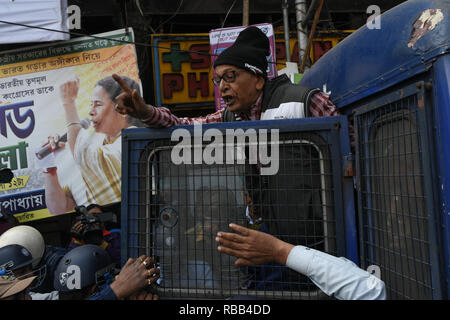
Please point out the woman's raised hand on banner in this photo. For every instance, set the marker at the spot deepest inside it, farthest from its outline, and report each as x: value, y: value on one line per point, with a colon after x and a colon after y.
x: 69, y: 90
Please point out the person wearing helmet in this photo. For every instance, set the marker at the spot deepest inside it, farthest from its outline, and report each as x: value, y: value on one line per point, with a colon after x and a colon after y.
x: 87, y: 273
x: 27, y: 237
x: 15, y: 259
x: 16, y: 263
x: 44, y: 256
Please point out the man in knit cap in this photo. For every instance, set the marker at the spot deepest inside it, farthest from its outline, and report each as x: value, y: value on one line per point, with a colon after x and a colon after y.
x: 241, y: 76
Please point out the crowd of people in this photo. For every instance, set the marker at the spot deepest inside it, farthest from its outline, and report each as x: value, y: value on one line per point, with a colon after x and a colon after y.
x: 89, y: 268
x: 32, y: 270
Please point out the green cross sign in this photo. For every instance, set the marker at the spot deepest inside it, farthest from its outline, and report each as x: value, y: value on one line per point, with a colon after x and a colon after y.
x: 175, y: 56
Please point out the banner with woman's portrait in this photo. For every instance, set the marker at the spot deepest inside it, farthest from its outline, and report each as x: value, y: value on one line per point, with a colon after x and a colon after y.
x: 58, y: 128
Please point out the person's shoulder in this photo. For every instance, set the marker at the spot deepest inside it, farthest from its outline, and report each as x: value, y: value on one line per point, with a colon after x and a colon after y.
x: 282, y: 84
x: 282, y: 79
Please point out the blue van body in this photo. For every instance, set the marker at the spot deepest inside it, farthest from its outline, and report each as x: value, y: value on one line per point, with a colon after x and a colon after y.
x: 372, y: 65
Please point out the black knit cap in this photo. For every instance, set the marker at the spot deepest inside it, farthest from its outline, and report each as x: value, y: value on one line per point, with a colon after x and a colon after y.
x: 249, y: 51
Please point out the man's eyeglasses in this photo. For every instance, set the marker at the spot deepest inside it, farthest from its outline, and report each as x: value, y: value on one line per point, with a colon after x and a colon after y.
x: 229, y: 76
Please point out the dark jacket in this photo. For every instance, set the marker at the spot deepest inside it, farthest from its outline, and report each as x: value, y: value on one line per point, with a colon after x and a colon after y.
x: 278, y: 91
x: 289, y: 202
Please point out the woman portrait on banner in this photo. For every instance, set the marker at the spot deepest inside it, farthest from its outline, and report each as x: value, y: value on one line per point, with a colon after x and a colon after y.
x: 97, y: 156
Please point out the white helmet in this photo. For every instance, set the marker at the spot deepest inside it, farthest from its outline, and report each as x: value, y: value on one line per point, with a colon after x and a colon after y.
x: 27, y: 237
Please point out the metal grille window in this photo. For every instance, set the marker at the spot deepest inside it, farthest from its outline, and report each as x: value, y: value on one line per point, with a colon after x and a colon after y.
x: 394, y: 195
x: 176, y: 210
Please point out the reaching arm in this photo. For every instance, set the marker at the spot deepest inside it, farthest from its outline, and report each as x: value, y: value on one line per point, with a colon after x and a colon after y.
x: 132, y: 279
x: 335, y: 276
x: 131, y: 103
x: 134, y: 276
x: 253, y: 247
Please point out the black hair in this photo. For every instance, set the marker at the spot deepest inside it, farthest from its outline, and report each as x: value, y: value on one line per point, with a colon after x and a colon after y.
x: 94, y: 205
x: 113, y: 88
x: 114, y: 208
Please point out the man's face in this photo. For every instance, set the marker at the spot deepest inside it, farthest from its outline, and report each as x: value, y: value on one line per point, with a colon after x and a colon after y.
x: 242, y: 91
x: 101, y: 113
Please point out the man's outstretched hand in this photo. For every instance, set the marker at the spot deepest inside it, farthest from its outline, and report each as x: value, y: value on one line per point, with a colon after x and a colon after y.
x: 252, y: 247
x: 129, y: 102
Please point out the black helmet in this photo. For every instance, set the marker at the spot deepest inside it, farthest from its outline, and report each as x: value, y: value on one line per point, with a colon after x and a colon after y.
x: 82, y: 267
x: 14, y: 256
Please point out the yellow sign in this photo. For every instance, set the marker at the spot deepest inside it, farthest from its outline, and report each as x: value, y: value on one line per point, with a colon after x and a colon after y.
x: 182, y: 65
x: 33, y: 215
x: 321, y: 44
x: 16, y: 183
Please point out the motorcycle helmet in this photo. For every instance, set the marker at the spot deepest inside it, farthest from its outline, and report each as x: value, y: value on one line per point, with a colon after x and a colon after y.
x: 28, y: 237
x: 14, y: 258
x: 82, y: 267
